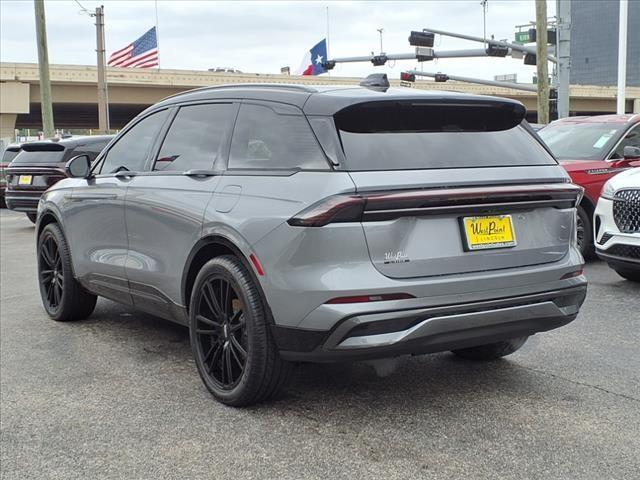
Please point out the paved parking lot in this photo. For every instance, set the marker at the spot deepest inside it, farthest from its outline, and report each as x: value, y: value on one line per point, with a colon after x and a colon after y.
x: 118, y: 396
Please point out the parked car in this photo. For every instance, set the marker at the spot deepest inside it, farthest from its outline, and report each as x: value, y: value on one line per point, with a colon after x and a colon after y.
x: 294, y: 223
x: 39, y: 165
x: 9, y: 154
x: 617, y: 223
x: 591, y: 149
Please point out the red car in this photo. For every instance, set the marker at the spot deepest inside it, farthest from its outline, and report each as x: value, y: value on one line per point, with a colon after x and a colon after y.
x: 591, y: 149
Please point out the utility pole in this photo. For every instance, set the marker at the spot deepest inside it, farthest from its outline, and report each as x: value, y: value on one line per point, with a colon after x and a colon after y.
x: 380, y: 30
x: 103, y: 108
x: 43, y: 64
x: 541, y: 61
x: 622, y: 56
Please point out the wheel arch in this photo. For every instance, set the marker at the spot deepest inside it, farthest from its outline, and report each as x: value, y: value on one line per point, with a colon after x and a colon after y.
x: 210, y: 247
x: 589, y: 206
x: 45, y: 219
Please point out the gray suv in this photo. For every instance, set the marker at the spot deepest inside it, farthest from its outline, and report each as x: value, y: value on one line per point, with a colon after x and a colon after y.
x: 286, y: 223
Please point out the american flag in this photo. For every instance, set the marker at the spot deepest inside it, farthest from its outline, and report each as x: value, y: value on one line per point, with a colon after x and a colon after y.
x: 143, y: 53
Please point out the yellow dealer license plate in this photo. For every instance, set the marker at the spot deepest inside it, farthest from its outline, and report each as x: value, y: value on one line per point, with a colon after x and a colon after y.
x: 489, y: 232
x: 25, y: 180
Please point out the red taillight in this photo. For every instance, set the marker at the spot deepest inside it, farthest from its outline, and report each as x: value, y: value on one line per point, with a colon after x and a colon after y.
x: 339, y: 208
x: 370, y: 298
x: 256, y: 265
x: 577, y: 273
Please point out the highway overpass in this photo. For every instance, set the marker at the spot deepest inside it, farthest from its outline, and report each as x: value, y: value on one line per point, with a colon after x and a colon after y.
x: 74, y: 91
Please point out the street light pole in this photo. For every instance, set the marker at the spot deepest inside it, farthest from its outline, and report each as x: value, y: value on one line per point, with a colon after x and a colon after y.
x: 563, y: 48
x: 622, y: 56
x: 43, y: 64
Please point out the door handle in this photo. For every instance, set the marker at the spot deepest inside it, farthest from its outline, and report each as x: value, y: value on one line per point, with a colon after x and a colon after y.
x: 123, y: 174
x: 94, y: 196
x: 200, y: 173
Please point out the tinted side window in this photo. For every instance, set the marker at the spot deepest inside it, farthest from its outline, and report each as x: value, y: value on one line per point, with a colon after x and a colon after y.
x: 132, y: 149
x: 632, y: 138
x: 90, y: 149
x: 264, y: 139
x: 195, y: 137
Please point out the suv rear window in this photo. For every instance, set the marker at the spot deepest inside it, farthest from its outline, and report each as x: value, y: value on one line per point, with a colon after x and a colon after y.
x: 413, y: 136
x: 39, y: 156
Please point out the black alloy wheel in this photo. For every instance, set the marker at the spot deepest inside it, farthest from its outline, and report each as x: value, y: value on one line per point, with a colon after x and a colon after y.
x: 221, y: 331
x: 51, y: 272
x: 63, y: 297
x: 231, y: 340
x: 584, y: 234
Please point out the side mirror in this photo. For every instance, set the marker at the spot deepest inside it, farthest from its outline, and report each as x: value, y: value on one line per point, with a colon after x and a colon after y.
x: 631, y: 152
x: 78, y: 167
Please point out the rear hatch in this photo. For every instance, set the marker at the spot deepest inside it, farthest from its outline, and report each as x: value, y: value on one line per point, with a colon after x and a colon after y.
x: 455, y: 188
x: 37, y: 166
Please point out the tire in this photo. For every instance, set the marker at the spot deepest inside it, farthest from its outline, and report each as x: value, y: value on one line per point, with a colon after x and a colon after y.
x: 32, y: 217
x: 62, y: 296
x: 585, y: 233
x: 228, y: 324
x: 631, y: 275
x: 491, y: 351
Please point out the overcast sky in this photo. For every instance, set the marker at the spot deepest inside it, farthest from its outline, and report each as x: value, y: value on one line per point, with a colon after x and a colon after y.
x: 262, y: 36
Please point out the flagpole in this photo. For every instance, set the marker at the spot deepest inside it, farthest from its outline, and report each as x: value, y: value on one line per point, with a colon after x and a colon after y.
x: 157, y: 35
x: 328, y: 55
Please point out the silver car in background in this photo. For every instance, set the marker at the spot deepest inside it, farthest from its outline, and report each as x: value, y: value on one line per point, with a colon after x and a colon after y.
x: 292, y: 223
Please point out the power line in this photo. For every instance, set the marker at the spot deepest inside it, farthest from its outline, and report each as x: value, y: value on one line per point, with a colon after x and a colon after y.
x: 84, y: 10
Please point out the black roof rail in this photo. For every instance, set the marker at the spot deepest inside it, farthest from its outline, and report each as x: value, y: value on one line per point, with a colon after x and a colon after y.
x: 281, y: 86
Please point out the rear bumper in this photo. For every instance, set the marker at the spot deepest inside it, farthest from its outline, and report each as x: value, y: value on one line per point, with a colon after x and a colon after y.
x: 432, y: 329
x: 22, y: 201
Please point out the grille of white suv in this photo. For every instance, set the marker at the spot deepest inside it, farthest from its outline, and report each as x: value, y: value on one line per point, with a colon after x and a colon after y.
x: 626, y: 210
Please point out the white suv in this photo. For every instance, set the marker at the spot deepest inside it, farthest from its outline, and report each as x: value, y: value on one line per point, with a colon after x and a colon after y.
x: 617, y: 224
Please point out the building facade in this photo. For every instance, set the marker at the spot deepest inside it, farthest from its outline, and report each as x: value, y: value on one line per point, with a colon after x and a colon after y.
x: 594, y: 42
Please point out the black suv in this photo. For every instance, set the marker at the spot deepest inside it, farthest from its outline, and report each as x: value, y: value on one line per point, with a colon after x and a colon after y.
x: 39, y: 165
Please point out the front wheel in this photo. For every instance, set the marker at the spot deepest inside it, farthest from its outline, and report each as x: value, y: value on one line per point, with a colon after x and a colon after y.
x: 234, y: 351
x: 63, y: 297
x: 584, y: 233
x: 492, y: 351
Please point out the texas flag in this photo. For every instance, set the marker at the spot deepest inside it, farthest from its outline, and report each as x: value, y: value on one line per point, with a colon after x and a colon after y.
x: 313, y: 60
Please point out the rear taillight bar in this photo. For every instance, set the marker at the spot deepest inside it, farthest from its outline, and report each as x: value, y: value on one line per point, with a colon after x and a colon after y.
x: 338, y: 208
x: 377, y: 206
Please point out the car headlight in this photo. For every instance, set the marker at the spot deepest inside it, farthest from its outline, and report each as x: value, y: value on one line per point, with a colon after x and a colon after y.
x: 608, y: 191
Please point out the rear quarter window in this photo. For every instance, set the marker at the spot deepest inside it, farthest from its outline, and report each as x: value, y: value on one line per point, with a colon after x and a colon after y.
x: 266, y: 140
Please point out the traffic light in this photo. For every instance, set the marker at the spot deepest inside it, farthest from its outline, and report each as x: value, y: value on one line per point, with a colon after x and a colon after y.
x: 421, y: 39
x: 497, y: 50
x: 378, y: 60
x: 407, y: 77
x: 329, y: 64
x: 551, y: 36
x: 530, y: 59
x: 441, y: 77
